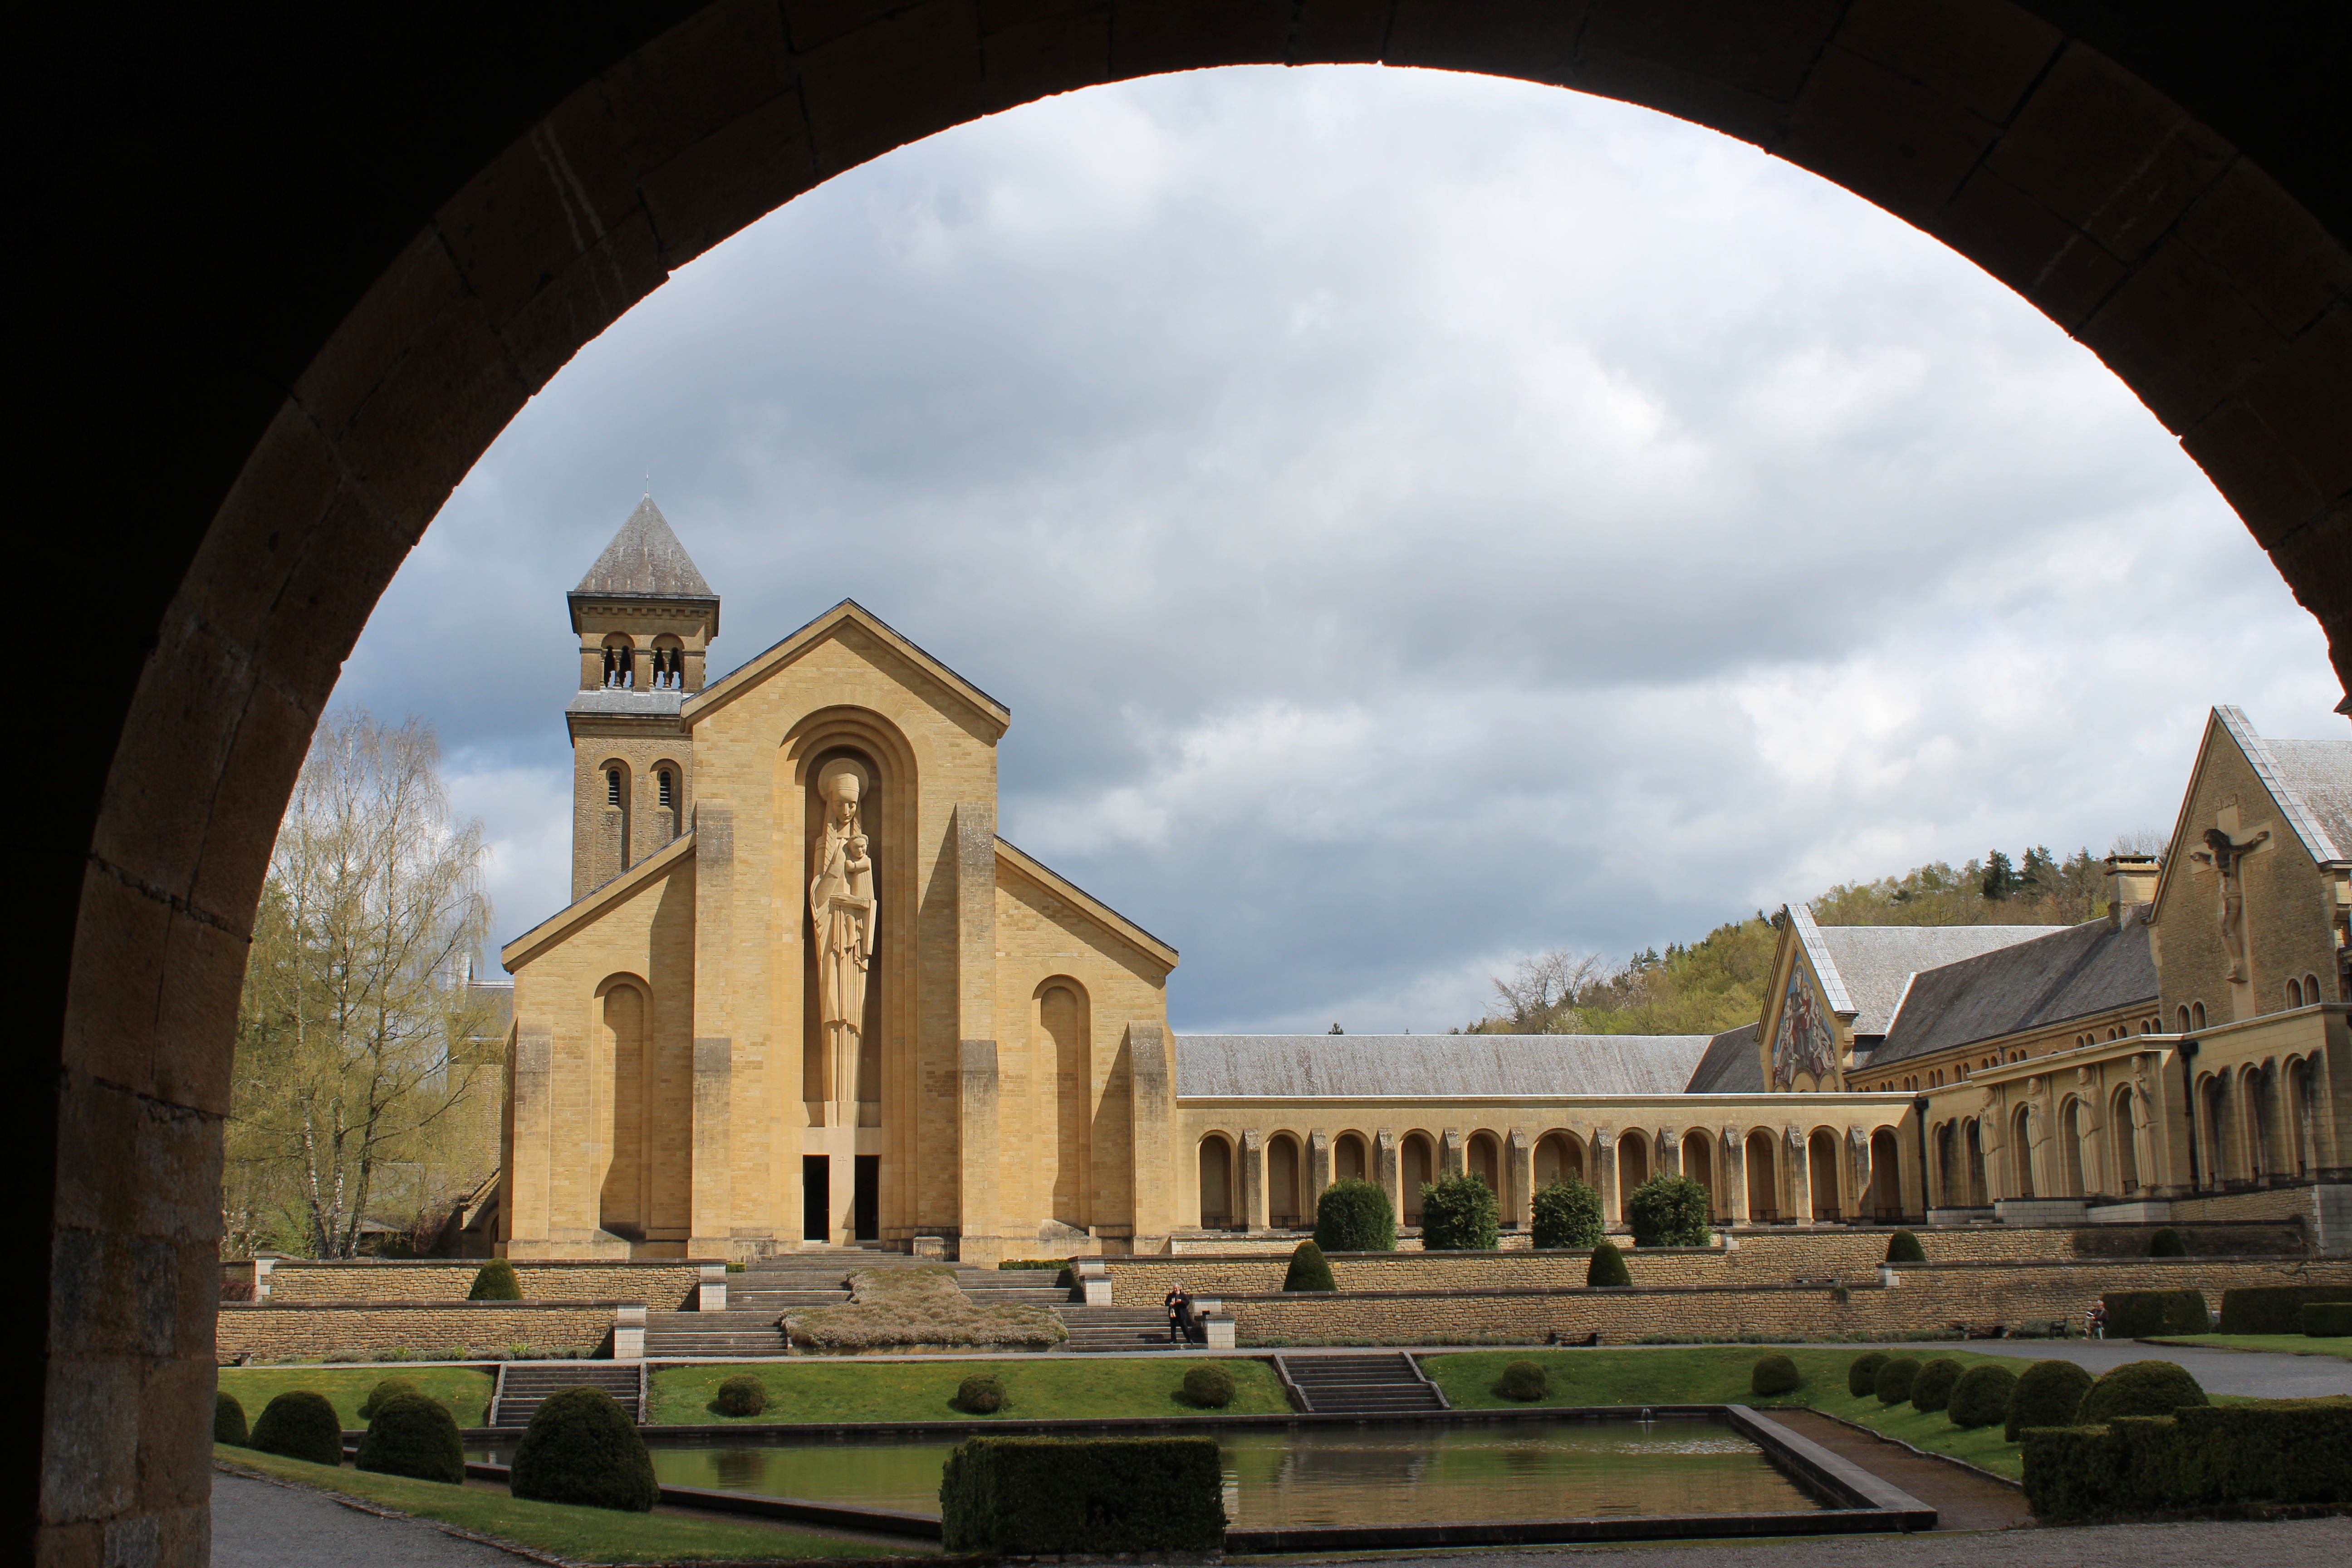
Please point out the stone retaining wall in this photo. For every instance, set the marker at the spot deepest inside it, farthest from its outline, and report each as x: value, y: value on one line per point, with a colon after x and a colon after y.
x: 1932, y: 1297
x: 662, y: 1286
x: 454, y: 1330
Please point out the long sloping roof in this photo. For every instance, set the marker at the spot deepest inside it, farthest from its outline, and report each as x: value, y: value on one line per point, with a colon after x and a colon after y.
x: 1731, y: 1066
x: 2072, y: 972
x: 645, y: 559
x: 2311, y: 780
x: 1425, y: 1067
x: 1873, y: 962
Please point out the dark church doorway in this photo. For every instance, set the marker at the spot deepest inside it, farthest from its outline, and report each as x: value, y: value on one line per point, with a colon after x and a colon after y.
x: 816, y: 1198
x: 866, y: 1198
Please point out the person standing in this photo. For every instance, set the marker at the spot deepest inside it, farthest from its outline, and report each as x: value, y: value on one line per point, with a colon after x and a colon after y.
x: 1179, y: 1313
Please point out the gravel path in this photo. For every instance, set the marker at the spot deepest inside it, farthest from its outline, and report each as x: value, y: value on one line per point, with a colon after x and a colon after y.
x: 259, y: 1524
x: 2259, y: 1374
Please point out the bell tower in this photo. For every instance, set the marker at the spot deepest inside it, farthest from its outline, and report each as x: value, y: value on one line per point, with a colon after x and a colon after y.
x: 645, y: 617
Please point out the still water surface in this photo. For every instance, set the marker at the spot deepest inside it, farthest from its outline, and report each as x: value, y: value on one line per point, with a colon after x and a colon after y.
x: 1319, y: 1475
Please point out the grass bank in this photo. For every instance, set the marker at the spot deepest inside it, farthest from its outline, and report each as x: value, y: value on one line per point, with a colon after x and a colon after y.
x: 2290, y: 1344
x: 465, y: 1391
x: 824, y: 1393
x: 582, y: 1534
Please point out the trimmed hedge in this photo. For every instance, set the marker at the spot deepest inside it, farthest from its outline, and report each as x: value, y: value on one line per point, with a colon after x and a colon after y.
x: 979, y: 1393
x: 1774, y: 1373
x: 580, y: 1448
x: 1607, y: 1267
x: 2268, y: 1451
x: 388, y: 1388
x: 1895, y: 1379
x: 415, y: 1436
x: 1980, y: 1397
x: 2167, y: 1243
x: 2048, y: 1393
x: 1932, y: 1389
x: 2143, y: 1314
x: 1566, y: 1213
x: 2325, y: 1319
x: 1904, y: 1248
x: 1211, y: 1386
x: 2139, y: 1388
x: 1523, y: 1380
x: 1862, y: 1377
x: 496, y: 1281
x: 1668, y: 1210
x: 742, y: 1395
x: 1034, y: 1496
x: 1355, y: 1216
x: 300, y: 1424
x: 1458, y: 1214
x: 2273, y: 1308
x: 228, y: 1420
x: 1310, y: 1269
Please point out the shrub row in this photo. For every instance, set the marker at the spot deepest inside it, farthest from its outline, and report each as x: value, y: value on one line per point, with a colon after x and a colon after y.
x: 2274, y: 1451
x: 2326, y: 1320
x: 2273, y: 1308
x: 1025, y: 1496
x: 2144, y: 1314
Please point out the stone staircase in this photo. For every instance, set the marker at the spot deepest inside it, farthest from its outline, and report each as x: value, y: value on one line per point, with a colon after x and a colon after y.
x: 1370, y: 1385
x: 1113, y: 1328
x: 728, y: 1334
x: 524, y: 1386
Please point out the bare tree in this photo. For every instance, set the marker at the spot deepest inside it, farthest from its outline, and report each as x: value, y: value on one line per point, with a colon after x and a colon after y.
x: 355, y: 989
x: 1541, y: 994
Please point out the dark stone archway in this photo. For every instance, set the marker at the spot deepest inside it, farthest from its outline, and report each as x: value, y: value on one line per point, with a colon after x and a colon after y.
x: 280, y: 274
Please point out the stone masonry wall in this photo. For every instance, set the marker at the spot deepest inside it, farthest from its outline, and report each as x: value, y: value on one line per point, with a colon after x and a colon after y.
x: 454, y: 1330
x: 1932, y: 1297
x: 662, y: 1286
x: 1759, y: 1260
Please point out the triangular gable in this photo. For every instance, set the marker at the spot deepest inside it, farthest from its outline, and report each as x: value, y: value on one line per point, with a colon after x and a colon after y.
x: 2316, y: 840
x: 530, y: 943
x: 2231, y: 722
x: 749, y: 674
x: 1804, y: 977
x: 1062, y: 888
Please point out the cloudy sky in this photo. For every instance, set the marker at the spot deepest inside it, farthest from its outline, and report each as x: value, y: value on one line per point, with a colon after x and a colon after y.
x: 1417, y: 520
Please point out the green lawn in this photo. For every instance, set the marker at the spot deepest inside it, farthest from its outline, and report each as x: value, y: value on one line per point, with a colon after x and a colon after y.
x: 2291, y: 1344
x: 1718, y: 1375
x: 582, y: 1534
x: 823, y: 1394
x: 465, y: 1391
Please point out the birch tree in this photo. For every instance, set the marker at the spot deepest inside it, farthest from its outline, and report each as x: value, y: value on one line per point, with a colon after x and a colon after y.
x: 355, y: 990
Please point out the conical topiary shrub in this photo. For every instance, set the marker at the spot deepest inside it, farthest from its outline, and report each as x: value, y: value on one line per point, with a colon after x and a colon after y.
x: 2047, y: 1393
x: 580, y: 1448
x: 228, y: 1420
x: 1932, y: 1389
x: 300, y: 1424
x: 2167, y: 1243
x: 387, y: 1389
x: 1862, y: 1377
x: 1607, y: 1266
x: 2139, y: 1388
x: 1310, y: 1269
x: 1895, y: 1379
x: 1566, y: 1213
x: 414, y: 1437
x: 1774, y: 1373
x: 496, y: 1282
x: 1904, y: 1248
x: 1981, y: 1396
x: 1355, y: 1216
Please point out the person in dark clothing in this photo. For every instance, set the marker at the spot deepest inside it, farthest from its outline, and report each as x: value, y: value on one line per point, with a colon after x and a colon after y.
x: 1179, y: 1313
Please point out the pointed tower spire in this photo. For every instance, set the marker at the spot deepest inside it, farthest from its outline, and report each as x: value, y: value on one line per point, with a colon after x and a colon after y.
x: 646, y: 558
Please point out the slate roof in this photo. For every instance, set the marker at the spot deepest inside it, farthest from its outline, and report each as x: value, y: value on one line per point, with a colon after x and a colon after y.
x: 660, y: 703
x: 646, y: 561
x: 2311, y: 780
x: 2072, y: 972
x: 1731, y: 1066
x: 1423, y: 1067
x: 1873, y: 962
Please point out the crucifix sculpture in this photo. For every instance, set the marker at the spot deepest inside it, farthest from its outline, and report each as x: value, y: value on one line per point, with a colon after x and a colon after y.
x: 2224, y: 856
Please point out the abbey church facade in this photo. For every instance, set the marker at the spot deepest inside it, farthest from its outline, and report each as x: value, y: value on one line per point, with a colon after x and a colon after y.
x: 805, y: 995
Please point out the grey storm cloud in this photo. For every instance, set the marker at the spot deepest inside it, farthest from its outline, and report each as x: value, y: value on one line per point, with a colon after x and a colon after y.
x: 1416, y: 520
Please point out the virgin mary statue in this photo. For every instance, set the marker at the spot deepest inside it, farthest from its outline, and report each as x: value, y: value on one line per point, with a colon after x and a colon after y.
x: 841, y: 909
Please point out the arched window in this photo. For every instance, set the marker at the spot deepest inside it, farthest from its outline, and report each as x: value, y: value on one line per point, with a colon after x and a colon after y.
x: 620, y: 662
x: 667, y: 783
x: 669, y: 664
x: 613, y: 786
x: 2197, y: 1015
x: 2182, y: 1020
x: 1216, y: 1184
x: 2295, y: 993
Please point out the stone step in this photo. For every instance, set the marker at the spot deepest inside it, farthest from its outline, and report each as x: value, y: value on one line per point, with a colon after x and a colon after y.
x: 1360, y: 1385
x: 523, y: 1387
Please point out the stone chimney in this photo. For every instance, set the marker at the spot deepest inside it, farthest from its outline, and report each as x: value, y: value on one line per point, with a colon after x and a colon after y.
x: 2131, y: 879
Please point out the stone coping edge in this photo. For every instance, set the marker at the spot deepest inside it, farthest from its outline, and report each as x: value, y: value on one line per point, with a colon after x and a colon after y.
x: 2272, y: 1259
x: 424, y: 1306
x: 799, y: 1511
x: 1840, y: 1476
x: 1950, y: 1459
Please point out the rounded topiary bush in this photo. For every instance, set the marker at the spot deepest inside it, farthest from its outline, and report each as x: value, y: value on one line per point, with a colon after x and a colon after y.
x: 382, y: 1391
x: 300, y: 1424
x: 2048, y: 1393
x: 1566, y: 1213
x: 413, y: 1435
x: 1862, y: 1377
x: 1355, y: 1216
x: 2139, y: 1388
x: 1523, y: 1380
x: 1932, y: 1389
x: 1310, y: 1269
x: 228, y: 1420
x: 1210, y: 1386
x: 1774, y: 1373
x: 1668, y: 1210
x: 580, y: 1447
x: 2167, y: 1243
x: 980, y: 1394
x: 496, y: 1282
x: 1904, y: 1248
x: 1895, y: 1379
x: 1458, y: 1214
x: 1607, y: 1266
x: 742, y: 1395
x: 1980, y: 1397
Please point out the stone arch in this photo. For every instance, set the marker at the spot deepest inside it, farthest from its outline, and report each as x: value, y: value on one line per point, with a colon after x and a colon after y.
x: 1633, y: 1163
x: 1764, y: 1186
x: 383, y: 336
x: 1698, y: 1165
x: 2067, y: 1164
x: 2224, y: 1142
x: 1217, y: 1168
x: 2123, y: 1155
x: 1417, y: 1166
x: 1885, y: 1202
x: 1352, y: 1157
x: 622, y: 1077
x: 1979, y: 1193
x: 1062, y: 1058
x: 1286, y: 1204
x: 2021, y: 1184
x: 1558, y: 1154
x: 1824, y: 1174
x: 1482, y: 1156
